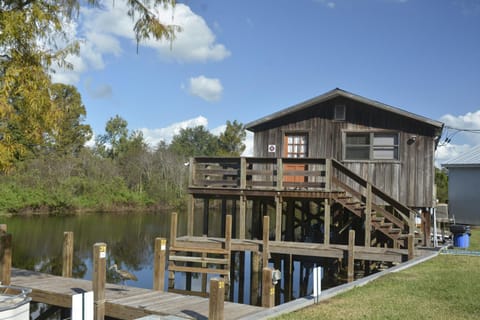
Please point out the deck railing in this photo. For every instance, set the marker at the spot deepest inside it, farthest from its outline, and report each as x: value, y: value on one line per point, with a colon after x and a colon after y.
x: 259, y: 173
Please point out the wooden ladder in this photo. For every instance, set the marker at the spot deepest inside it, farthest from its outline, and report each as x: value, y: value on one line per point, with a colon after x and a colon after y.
x: 200, y: 259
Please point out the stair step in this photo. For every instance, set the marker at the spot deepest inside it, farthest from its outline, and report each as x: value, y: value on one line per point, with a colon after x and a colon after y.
x: 386, y: 225
x: 395, y: 231
x: 377, y: 219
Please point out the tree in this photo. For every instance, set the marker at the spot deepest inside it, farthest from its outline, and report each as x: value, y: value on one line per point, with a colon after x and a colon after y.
x: 193, y: 142
x: 31, y: 42
x: 441, y: 181
x: 231, y: 140
x: 110, y: 143
x: 69, y: 134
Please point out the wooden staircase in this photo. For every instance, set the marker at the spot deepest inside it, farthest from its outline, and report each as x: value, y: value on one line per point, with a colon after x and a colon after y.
x: 396, y: 222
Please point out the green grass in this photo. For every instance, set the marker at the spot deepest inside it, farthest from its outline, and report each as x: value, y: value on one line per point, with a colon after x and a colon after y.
x: 475, y: 240
x: 445, y: 287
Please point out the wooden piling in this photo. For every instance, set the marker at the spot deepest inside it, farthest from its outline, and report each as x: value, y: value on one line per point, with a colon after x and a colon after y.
x: 351, y: 255
x: 99, y: 279
x: 228, y: 243
x: 326, y: 222
x: 173, y: 229
x: 278, y: 218
x: 288, y: 278
x: 159, y: 264
x: 5, y: 258
x: 268, y: 289
x: 266, y: 235
x: 254, y: 280
x: 67, y: 255
x: 242, y: 217
x: 216, y: 301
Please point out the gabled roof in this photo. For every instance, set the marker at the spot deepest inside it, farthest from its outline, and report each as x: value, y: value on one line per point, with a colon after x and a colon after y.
x: 468, y: 159
x: 252, y: 126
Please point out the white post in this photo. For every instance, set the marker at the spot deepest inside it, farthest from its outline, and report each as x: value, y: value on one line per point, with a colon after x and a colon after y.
x: 317, y: 282
x: 435, y: 241
x: 82, y: 306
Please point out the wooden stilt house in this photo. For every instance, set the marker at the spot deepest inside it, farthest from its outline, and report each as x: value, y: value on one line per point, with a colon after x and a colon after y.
x: 330, y: 164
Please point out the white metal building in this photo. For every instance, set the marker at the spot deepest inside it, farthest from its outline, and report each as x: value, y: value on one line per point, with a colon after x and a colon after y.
x: 464, y: 187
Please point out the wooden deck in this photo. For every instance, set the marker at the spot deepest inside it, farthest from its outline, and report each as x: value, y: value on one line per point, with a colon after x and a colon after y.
x: 300, y: 248
x: 123, y: 302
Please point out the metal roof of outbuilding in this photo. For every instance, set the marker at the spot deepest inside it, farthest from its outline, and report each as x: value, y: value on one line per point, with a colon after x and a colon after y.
x: 339, y: 93
x: 470, y: 158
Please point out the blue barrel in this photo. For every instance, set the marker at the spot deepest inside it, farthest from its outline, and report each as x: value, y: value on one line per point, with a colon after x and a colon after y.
x: 461, y: 240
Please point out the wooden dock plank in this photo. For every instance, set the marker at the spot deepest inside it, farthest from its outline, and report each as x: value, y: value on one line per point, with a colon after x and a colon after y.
x: 122, y: 302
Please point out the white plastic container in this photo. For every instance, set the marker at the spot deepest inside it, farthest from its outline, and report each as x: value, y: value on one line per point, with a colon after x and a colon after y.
x: 14, y: 303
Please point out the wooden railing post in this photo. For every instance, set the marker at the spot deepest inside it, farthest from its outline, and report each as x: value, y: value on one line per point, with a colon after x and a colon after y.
x: 228, y: 243
x: 216, y: 301
x: 243, y: 173
x: 411, y: 246
x: 266, y: 235
x: 268, y: 288
x: 279, y: 174
x: 328, y: 174
x: 368, y: 215
x: 5, y: 258
x: 67, y: 254
x: 351, y: 255
x: 159, y: 264
x: 190, y: 214
x: 99, y: 279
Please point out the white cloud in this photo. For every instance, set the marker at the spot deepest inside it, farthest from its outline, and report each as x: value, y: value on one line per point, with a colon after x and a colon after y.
x: 248, y: 145
x: 100, y: 31
x: 154, y: 136
x: 326, y: 3
x: 460, y: 141
x: 209, y: 89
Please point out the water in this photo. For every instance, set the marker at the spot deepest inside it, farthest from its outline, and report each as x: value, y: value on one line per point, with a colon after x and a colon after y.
x: 38, y: 241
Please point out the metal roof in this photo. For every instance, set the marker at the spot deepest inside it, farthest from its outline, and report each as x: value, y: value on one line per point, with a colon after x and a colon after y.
x: 470, y: 158
x: 339, y: 93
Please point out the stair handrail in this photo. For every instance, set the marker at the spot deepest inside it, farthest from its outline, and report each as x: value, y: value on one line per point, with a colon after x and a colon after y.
x: 403, y: 211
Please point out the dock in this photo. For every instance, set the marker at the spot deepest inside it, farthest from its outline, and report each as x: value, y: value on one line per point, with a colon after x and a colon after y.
x: 123, y: 302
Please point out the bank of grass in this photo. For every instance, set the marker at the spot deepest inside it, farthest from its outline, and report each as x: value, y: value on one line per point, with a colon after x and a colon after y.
x: 445, y: 287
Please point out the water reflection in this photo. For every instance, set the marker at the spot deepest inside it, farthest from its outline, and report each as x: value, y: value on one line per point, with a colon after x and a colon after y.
x: 38, y: 241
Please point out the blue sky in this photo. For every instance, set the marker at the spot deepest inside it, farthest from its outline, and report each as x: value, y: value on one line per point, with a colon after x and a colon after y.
x: 242, y: 60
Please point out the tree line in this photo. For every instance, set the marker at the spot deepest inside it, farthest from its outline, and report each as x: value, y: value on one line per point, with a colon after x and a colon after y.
x: 121, y: 171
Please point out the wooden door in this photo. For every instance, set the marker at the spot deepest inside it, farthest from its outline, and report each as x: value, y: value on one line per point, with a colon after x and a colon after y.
x: 294, y: 146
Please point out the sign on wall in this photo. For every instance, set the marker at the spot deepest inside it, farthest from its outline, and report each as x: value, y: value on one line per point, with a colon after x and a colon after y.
x: 272, y: 148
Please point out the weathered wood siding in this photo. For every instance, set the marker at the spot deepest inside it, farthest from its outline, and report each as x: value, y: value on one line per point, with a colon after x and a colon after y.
x: 409, y: 180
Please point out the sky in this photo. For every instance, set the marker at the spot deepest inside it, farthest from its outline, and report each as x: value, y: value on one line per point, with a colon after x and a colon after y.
x: 243, y: 60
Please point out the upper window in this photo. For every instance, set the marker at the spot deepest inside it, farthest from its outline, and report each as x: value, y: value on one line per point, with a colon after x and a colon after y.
x: 296, y: 146
x: 339, y: 112
x: 371, y: 146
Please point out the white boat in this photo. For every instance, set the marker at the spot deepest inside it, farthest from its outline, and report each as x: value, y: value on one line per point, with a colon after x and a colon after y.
x: 14, y: 303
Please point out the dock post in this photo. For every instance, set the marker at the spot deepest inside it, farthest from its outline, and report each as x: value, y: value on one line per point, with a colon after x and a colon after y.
x: 67, y: 255
x: 99, y: 279
x: 351, y: 255
x: 266, y: 238
x: 268, y: 289
x: 287, y: 276
x: 242, y: 214
x: 5, y: 258
x: 159, y: 264
x: 254, y: 280
x: 216, y: 301
x: 278, y: 218
x: 326, y: 222
x: 411, y: 247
